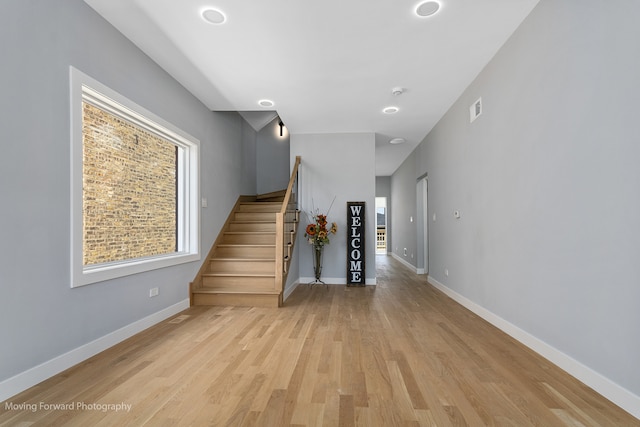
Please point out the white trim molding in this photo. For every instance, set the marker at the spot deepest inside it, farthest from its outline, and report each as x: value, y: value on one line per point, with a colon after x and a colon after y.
x: 303, y: 281
x: 607, y: 388
x: 288, y: 291
x: 19, y: 383
x: 404, y: 262
x: 86, y: 89
x: 333, y: 280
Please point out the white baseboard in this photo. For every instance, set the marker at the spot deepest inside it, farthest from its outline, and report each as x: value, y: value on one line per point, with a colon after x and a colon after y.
x: 327, y: 280
x: 607, y: 388
x: 335, y: 280
x: 288, y: 291
x: 404, y: 262
x: 332, y: 281
x: 22, y: 381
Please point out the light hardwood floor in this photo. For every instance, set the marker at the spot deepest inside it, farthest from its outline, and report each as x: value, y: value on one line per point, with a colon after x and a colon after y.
x: 397, y: 354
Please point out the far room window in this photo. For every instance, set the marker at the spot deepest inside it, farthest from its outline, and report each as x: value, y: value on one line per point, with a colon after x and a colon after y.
x: 134, y: 187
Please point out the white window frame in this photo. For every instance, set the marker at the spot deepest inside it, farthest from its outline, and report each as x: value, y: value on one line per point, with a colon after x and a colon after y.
x: 85, y: 88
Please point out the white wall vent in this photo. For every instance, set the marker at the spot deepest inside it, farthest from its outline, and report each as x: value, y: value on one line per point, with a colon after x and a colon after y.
x: 475, y: 110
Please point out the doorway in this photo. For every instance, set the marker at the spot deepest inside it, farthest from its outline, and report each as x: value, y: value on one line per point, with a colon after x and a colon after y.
x: 422, y: 192
x: 381, y: 225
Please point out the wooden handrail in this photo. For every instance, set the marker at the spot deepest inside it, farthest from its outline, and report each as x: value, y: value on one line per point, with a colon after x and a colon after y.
x: 281, y: 268
x: 292, y: 181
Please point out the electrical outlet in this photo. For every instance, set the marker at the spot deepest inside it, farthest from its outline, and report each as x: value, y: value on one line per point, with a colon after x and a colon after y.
x: 446, y: 272
x: 153, y: 292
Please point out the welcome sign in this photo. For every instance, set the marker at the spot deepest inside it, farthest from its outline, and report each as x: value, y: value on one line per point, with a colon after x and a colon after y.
x: 355, y: 244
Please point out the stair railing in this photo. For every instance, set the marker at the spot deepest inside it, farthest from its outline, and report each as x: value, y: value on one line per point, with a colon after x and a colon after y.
x: 286, y: 228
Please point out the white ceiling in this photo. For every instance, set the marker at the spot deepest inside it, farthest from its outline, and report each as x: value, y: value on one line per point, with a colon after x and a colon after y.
x: 328, y: 65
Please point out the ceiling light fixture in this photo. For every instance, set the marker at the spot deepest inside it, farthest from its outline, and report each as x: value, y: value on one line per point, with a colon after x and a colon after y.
x: 390, y: 110
x: 266, y: 103
x: 214, y: 16
x: 395, y: 141
x: 397, y: 91
x: 427, y: 8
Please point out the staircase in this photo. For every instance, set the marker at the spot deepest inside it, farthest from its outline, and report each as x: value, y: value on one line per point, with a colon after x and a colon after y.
x: 242, y: 267
x: 249, y: 261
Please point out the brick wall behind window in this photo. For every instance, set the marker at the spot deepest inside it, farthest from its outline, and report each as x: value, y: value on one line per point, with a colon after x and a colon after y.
x: 129, y: 190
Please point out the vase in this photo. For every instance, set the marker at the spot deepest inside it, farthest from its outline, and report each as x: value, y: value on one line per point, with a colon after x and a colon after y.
x: 317, y: 262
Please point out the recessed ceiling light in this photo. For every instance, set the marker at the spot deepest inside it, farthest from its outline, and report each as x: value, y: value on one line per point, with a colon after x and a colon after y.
x: 214, y: 16
x: 266, y: 103
x: 397, y: 141
x: 390, y: 110
x: 427, y: 8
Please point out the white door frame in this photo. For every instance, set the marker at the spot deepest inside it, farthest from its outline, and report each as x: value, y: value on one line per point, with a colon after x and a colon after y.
x: 425, y: 222
x: 386, y: 225
x: 422, y: 191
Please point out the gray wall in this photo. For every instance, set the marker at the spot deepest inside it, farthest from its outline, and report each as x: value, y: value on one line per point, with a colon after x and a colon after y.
x: 546, y: 180
x: 42, y: 316
x: 249, y: 147
x: 340, y: 165
x: 403, y: 204
x: 272, y: 159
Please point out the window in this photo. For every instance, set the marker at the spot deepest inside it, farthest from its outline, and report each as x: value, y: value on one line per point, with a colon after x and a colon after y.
x: 134, y: 187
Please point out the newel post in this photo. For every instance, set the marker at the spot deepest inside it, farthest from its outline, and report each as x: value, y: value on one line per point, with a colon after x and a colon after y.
x: 279, y: 285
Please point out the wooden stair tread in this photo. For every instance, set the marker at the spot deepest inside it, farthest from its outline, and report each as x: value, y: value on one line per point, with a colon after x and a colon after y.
x: 248, y: 221
x: 263, y: 203
x: 260, y: 207
x: 278, y: 193
x: 249, y: 232
x: 235, y: 290
x: 266, y: 245
x: 238, y: 274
